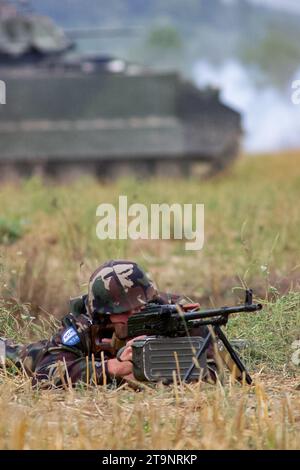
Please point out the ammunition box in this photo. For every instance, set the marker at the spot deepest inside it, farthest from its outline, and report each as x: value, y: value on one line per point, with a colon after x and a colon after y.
x: 155, y: 358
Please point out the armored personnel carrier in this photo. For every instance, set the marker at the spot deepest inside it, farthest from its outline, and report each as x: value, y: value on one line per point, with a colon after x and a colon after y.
x: 67, y: 113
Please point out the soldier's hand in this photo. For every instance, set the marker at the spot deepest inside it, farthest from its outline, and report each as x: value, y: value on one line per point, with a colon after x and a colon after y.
x: 122, y: 367
x: 119, y: 369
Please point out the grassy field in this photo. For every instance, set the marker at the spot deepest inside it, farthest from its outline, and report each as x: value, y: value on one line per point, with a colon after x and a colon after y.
x: 48, y: 248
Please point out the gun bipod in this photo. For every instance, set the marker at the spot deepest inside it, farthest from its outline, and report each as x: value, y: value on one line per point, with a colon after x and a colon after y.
x: 233, y: 354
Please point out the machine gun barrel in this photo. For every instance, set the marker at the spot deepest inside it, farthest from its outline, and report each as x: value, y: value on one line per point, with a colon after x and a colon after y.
x: 214, y: 312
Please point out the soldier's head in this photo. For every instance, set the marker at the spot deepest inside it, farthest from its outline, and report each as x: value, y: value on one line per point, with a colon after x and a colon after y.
x: 117, y: 289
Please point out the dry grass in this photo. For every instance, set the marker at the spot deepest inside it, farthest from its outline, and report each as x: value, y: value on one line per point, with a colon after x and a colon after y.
x: 266, y: 416
x: 48, y: 250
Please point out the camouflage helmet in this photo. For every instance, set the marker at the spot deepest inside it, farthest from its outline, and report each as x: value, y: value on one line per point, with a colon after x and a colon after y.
x: 118, y: 286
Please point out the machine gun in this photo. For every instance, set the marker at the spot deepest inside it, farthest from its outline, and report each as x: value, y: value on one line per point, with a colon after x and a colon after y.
x: 169, y: 343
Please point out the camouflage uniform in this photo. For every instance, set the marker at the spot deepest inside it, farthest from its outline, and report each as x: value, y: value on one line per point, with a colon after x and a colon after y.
x: 68, y: 356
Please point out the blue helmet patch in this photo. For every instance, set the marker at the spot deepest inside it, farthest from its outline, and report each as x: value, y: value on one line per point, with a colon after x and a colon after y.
x: 70, y: 337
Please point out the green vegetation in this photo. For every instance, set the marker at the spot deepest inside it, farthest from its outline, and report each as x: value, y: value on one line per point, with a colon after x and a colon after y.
x: 165, y: 38
x: 276, y: 54
x: 10, y: 230
x: 270, y: 333
x: 252, y: 226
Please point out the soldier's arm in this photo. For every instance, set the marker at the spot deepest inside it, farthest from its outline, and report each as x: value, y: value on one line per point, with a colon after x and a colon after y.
x: 63, y: 368
x: 65, y: 359
x: 64, y: 365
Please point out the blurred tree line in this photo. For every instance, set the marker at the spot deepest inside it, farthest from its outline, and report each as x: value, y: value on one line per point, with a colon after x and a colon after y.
x: 176, y: 33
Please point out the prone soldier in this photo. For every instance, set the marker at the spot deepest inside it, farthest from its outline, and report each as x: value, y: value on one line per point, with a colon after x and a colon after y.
x: 92, y: 344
